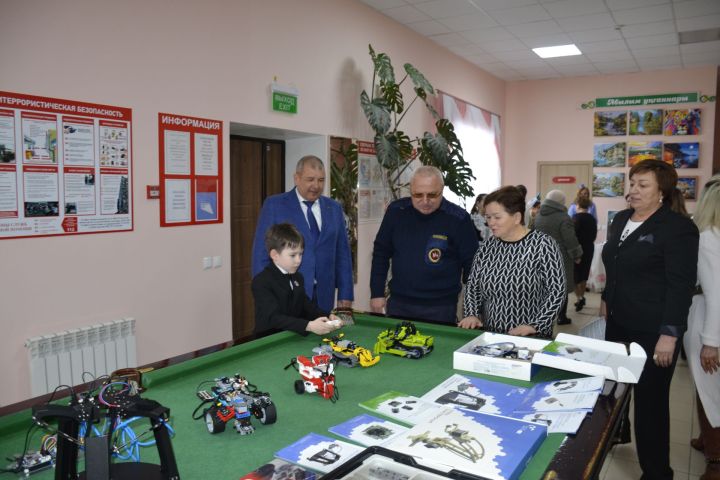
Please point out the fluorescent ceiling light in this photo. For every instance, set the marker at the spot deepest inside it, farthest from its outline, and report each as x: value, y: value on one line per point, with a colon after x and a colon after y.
x: 557, y: 51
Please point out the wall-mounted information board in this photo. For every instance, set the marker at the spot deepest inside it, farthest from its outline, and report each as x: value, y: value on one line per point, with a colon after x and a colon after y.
x: 190, y: 170
x: 65, y: 167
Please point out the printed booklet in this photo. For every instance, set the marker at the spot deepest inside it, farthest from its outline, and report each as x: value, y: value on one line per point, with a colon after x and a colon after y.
x: 541, y: 398
x: 368, y: 430
x: 573, y: 385
x: 280, y: 470
x: 477, y: 395
x: 472, y: 442
x: 556, y: 422
x: 401, y: 407
x: 318, y: 452
x: 560, y: 405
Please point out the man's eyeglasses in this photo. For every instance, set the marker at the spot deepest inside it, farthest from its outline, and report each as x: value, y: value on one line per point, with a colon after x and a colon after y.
x: 428, y: 196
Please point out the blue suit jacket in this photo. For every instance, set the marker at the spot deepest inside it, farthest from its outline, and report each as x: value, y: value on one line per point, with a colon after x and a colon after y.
x: 328, y: 261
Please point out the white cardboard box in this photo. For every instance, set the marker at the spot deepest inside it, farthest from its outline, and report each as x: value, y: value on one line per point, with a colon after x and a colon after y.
x: 613, y: 360
x: 465, y: 359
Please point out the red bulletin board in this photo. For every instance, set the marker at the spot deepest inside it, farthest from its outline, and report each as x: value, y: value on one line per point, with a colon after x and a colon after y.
x: 65, y: 167
x: 191, y: 163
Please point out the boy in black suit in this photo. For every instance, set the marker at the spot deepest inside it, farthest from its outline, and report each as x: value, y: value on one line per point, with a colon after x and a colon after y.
x: 280, y: 299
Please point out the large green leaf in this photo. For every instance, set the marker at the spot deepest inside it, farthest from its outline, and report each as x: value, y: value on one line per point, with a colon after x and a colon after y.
x: 393, y: 97
x: 436, y: 147
x: 447, y: 131
x: 393, y: 150
x: 383, y: 66
x: 419, y: 79
x: 377, y: 112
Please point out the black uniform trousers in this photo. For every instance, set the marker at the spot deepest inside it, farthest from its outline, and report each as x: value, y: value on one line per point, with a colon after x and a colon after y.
x: 652, y: 403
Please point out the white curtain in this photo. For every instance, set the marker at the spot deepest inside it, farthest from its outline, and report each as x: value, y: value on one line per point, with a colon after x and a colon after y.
x: 479, y: 133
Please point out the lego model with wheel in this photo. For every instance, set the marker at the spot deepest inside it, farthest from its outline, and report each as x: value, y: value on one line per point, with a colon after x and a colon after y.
x: 234, y: 398
x: 346, y: 352
x: 405, y: 340
x: 318, y: 375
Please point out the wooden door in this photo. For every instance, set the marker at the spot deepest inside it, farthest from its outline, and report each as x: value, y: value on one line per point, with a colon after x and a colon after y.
x: 564, y: 176
x: 257, y: 170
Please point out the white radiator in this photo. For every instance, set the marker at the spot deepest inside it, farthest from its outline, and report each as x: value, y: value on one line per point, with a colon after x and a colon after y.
x: 62, y: 358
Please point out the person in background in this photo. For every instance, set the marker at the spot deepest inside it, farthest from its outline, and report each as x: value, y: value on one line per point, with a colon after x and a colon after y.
x: 583, y: 192
x: 553, y: 220
x: 280, y: 300
x: 650, y: 261
x: 586, y: 232
x: 532, y: 210
x: 478, y: 217
x: 702, y: 340
x: 431, y: 243
x: 327, y: 262
x: 517, y: 284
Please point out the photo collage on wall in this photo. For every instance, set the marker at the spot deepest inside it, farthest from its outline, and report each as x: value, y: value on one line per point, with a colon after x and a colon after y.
x: 644, y: 133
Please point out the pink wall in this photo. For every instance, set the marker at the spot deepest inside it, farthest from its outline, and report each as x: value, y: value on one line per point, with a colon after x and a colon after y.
x: 544, y: 122
x: 212, y: 59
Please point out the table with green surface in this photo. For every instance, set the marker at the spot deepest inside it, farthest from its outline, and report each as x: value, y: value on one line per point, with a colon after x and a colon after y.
x: 228, y: 455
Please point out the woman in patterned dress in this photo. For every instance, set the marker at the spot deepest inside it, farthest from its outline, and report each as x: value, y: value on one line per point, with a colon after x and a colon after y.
x: 517, y: 282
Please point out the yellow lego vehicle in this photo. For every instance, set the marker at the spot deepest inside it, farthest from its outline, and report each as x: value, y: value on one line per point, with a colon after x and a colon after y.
x: 347, y: 352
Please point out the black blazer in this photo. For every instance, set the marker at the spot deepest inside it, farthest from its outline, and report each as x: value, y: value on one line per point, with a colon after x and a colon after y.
x: 277, y: 306
x: 651, y: 275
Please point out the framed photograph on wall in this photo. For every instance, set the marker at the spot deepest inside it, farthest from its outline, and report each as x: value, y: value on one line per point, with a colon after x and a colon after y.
x: 609, y: 154
x: 608, y: 124
x: 646, y: 122
x: 682, y: 155
x: 682, y: 122
x: 640, y: 151
x: 688, y: 187
x: 608, y: 185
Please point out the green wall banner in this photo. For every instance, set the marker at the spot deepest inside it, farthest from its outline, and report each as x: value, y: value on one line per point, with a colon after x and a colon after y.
x: 645, y: 100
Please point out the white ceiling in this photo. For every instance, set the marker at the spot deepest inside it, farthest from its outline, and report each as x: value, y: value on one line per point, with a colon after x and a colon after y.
x: 615, y: 36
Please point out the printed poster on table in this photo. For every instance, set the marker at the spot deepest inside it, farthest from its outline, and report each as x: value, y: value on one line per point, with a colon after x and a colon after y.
x: 190, y: 170
x: 65, y: 167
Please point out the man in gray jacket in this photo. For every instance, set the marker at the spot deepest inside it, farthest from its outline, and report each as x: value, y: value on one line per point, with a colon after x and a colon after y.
x: 553, y: 219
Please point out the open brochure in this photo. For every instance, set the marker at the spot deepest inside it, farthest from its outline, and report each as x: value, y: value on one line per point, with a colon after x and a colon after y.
x: 472, y: 442
x: 368, y: 430
x: 477, y: 394
x: 401, y: 407
x: 556, y: 422
x: 561, y: 405
x: 318, y: 452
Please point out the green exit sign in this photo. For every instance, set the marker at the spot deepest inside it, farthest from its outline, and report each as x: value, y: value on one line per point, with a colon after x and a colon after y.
x: 284, y: 102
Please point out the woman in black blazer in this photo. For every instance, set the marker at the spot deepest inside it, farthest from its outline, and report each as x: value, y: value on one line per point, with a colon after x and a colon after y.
x: 650, y: 260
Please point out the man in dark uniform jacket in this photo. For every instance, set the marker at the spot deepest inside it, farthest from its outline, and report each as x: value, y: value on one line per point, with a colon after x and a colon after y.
x: 279, y: 292
x: 431, y: 243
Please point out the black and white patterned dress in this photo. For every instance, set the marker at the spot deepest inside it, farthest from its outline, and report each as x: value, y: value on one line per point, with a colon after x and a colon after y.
x: 516, y: 283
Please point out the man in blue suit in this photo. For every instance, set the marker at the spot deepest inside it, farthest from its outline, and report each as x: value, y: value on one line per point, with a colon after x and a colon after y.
x: 326, y: 264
